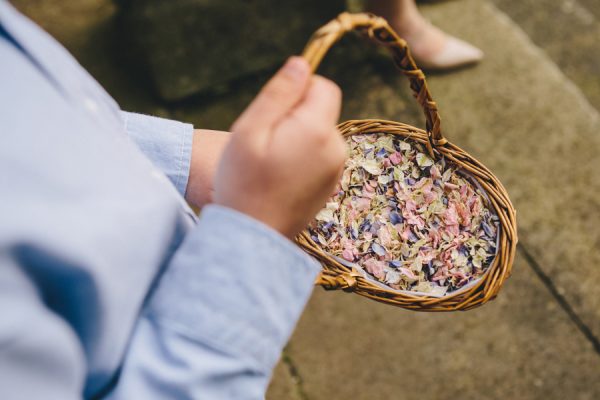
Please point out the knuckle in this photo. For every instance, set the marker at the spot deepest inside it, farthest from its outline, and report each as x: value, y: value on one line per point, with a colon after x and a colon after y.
x: 279, y: 88
x: 321, y: 135
x: 318, y: 133
x: 328, y: 88
x: 274, y: 92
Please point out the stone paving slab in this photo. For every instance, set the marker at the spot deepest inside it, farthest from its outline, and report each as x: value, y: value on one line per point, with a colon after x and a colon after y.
x: 569, y: 32
x: 283, y: 385
x: 525, y: 120
x: 194, y: 45
x: 592, y: 6
x: 520, y: 346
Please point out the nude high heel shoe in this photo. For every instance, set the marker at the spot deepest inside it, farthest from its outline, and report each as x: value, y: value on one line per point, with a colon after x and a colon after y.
x: 454, y: 54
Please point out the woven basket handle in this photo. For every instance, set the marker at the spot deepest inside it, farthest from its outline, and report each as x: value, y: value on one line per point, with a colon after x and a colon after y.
x: 378, y: 30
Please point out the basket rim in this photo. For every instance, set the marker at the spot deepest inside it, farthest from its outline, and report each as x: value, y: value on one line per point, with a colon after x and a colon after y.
x: 500, y: 267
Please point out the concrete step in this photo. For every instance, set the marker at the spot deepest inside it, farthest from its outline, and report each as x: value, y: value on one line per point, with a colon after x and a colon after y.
x: 179, y: 39
x: 533, y: 126
x: 569, y: 32
x: 521, y: 346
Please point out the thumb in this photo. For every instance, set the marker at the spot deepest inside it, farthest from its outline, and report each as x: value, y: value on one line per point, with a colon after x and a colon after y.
x: 277, y: 98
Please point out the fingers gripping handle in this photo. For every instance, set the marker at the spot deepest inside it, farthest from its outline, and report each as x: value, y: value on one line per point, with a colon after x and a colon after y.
x: 378, y: 30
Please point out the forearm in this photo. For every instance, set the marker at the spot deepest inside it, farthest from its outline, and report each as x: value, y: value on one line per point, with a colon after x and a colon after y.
x: 221, y: 314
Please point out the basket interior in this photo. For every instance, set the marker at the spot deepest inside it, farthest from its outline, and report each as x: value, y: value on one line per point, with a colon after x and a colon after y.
x: 413, y: 152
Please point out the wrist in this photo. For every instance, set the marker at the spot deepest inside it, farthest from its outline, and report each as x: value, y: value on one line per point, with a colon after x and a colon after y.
x: 207, y: 148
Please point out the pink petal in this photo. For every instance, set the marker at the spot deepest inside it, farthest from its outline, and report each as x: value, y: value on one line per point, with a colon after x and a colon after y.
x: 434, y: 235
x: 463, y: 192
x: 451, y: 215
x: 347, y: 255
x: 410, y: 205
x: 396, y: 158
x: 363, y: 204
x: 375, y: 267
x: 429, y: 197
x: 405, y: 234
x: 452, y: 230
x: 384, y: 235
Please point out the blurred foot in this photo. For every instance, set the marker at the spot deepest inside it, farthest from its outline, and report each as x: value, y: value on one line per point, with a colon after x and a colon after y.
x: 433, y: 49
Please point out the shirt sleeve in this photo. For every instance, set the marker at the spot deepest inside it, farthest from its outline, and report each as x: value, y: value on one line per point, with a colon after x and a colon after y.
x: 218, y: 321
x: 167, y: 143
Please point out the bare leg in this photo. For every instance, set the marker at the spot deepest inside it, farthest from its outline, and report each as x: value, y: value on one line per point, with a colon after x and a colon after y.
x: 431, y: 47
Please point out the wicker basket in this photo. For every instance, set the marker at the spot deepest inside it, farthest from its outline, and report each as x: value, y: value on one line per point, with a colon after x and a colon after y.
x: 335, y: 275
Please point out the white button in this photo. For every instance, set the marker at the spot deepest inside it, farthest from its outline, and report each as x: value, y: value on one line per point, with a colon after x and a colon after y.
x: 158, y: 175
x: 90, y: 104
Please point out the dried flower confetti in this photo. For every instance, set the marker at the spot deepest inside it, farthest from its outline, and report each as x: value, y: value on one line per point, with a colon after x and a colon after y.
x: 411, y: 222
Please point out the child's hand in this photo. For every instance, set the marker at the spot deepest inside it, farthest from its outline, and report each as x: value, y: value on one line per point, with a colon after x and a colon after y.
x: 285, y: 155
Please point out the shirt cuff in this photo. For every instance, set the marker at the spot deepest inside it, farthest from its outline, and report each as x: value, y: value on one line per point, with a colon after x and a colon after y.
x: 167, y: 143
x: 236, y: 285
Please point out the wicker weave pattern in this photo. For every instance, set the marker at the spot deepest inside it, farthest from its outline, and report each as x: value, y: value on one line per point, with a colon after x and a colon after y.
x: 337, y: 276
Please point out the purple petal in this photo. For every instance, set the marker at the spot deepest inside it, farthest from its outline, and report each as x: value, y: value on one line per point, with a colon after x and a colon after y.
x: 396, y: 218
x: 378, y: 249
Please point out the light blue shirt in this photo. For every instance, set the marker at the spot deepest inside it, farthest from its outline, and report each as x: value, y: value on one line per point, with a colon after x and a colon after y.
x: 109, y: 284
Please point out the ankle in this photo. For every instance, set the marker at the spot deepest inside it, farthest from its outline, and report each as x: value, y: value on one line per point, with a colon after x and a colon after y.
x: 409, y: 27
